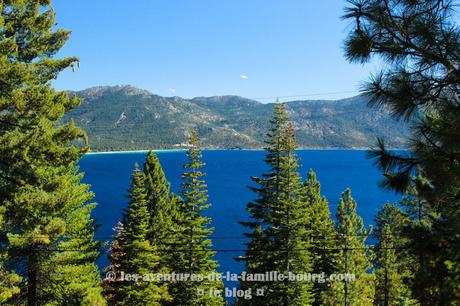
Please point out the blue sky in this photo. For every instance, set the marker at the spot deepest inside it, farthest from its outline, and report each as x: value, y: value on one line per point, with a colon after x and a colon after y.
x: 189, y: 48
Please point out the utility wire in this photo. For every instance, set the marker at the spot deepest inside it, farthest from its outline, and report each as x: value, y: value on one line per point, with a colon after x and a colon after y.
x: 338, y: 235
x: 185, y: 250
x: 307, y: 95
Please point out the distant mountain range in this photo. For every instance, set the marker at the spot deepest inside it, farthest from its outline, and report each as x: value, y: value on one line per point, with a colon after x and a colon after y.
x: 129, y: 118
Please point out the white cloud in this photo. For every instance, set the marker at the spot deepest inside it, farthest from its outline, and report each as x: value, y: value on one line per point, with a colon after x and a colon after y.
x: 243, y: 76
x: 172, y: 90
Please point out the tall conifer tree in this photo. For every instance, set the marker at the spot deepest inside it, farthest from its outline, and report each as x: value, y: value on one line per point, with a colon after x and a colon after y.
x: 193, y: 253
x: 353, y: 258
x: 112, y: 284
x: 418, y: 219
x: 47, y: 226
x: 394, y: 263
x: 278, y: 236
x: 321, y: 232
x: 138, y: 256
x: 162, y: 210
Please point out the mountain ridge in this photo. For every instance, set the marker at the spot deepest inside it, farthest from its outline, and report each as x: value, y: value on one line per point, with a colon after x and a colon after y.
x: 125, y: 117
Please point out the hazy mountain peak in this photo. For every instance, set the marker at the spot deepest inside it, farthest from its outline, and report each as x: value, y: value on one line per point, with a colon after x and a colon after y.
x: 99, y: 91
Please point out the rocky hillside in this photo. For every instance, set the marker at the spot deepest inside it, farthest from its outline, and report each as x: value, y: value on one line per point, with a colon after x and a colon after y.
x: 128, y: 118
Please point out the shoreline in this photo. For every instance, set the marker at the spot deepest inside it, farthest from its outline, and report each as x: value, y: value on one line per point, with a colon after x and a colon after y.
x: 135, y: 151
x: 211, y: 149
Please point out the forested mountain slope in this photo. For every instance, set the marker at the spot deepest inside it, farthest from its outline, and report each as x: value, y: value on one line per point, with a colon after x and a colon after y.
x: 128, y: 118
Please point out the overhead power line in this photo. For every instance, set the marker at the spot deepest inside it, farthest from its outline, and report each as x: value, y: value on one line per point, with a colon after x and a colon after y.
x: 308, y: 95
x: 210, y: 237
x: 185, y: 250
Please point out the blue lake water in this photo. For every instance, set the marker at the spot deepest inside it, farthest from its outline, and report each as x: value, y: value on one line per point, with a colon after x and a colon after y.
x: 228, y: 174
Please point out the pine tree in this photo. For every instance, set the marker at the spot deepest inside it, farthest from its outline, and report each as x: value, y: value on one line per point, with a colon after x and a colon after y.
x: 138, y: 256
x: 278, y: 236
x: 419, y: 232
x: 321, y: 232
x: 114, y: 282
x: 353, y: 258
x: 162, y: 209
x: 389, y: 284
x: 44, y: 203
x: 9, y: 282
x: 70, y: 280
x: 393, y: 263
x: 193, y: 253
x: 420, y: 42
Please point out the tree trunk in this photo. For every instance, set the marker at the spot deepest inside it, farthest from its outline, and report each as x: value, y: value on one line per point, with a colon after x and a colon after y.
x: 32, y: 281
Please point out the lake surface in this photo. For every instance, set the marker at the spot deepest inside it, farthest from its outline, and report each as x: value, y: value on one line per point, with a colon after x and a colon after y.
x: 228, y: 174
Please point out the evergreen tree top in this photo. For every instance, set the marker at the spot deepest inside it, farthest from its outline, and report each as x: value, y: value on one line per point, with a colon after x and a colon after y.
x: 27, y: 29
x: 349, y: 222
x: 194, y: 152
x: 136, y: 215
x: 158, y: 186
x: 312, y: 181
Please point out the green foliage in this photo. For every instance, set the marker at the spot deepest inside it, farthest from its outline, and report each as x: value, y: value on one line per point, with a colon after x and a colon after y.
x: 278, y: 230
x: 134, y: 254
x: 420, y: 231
x: 420, y: 41
x: 163, y: 212
x: 9, y: 282
x: 394, y: 263
x: 47, y: 226
x: 353, y: 257
x: 322, y: 233
x: 193, y: 252
x: 159, y: 203
x: 227, y: 122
